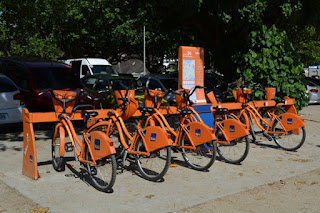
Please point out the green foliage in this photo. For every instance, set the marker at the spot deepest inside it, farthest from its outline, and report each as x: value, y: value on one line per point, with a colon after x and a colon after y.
x: 272, y: 62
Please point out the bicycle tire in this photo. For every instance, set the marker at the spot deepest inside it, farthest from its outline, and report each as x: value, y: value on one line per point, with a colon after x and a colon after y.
x: 200, y: 159
x: 155, y: 166
x: 58, y: 162
x: 238, y: 148
x: 102, y: 175
x: 287, y: 142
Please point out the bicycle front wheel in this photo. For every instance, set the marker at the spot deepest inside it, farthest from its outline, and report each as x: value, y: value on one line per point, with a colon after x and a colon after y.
x: 58, y: 162
x: 103, y: 174
x: 290, y: 141
x: 202, y: 157
x: 236, y: 151
x: 155, y: 166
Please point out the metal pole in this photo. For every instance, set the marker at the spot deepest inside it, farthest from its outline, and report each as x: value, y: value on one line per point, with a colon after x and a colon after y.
x: 144, y: 50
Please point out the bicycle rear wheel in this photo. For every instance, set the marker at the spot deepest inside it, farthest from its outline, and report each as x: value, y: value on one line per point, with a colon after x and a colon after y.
x: 58, y: 162
x: 290, y: 141
x: 236, y: 151
x: 155, y: 166
x: 103, y: 174
x: 202, y: 157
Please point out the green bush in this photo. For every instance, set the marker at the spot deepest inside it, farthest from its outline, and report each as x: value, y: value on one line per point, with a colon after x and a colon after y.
x: 272, y: 62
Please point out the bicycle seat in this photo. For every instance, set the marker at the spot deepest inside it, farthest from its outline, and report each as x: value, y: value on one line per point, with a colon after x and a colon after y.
x: 87, y: 115
x: 221, y: 110
x: 146, y: 109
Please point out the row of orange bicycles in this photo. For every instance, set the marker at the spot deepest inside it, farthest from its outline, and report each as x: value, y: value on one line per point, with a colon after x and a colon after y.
x: 144, y: 137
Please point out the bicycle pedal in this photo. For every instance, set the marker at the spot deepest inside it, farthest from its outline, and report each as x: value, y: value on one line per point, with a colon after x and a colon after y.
x: 68, y: 147
x: 269, y: 137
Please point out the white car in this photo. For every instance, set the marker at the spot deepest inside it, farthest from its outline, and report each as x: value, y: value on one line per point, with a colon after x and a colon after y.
x: 10, y: 107
x: 313, y: 90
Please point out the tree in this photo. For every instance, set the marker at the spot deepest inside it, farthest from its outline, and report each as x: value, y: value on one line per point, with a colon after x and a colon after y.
x: 272, y: 62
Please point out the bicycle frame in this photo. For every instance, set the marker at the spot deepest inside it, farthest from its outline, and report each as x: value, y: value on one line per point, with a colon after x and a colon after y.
x: 253, y: 113
x: 106, y: 147
x: 191, y: 120
x: 190, y: 123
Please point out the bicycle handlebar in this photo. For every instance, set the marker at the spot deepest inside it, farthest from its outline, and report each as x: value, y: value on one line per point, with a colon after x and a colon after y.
x: 187, y: 96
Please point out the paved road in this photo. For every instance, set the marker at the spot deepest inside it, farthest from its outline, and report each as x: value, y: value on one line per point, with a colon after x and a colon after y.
x: 181, y: 188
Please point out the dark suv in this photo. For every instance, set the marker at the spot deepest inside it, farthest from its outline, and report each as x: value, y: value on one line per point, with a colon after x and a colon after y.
x: 32, y: 76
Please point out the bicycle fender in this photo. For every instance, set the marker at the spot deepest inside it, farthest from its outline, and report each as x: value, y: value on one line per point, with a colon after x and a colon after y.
x: 157, y: 138
x: 101, y: 145
x: 233, y: 129
x: 200, y: 133
x: 62, y: 133
x: 291, y: 122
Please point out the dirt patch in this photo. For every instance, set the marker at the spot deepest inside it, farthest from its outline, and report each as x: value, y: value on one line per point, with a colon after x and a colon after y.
x: 297, y: 194
x: 13, y: 201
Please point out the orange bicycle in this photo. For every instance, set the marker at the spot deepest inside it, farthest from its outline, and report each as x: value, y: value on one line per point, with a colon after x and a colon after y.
x: 286, y: 129
x: 232, y: 136
x: 192, y: 137
x: 95, y: 152
x: 148, y: 145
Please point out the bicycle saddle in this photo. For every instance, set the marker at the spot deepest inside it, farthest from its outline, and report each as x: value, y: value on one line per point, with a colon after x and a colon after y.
x: 87, y: 115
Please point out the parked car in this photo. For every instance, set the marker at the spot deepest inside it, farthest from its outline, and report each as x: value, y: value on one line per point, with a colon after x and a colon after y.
x: 89, y: 66
x: 313, y: 90
x: 158, y: 82
x: 33, y: 76
x: 10, y: 107
x: 100, y: 85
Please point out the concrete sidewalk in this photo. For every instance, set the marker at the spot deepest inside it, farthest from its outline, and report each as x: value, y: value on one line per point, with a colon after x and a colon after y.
x: 182, y: 187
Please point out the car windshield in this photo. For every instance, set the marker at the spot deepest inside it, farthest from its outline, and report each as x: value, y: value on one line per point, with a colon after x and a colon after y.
x: 314, y: 80
x: 6, y: 85
x: 102, y: 69
x: 54, y: 78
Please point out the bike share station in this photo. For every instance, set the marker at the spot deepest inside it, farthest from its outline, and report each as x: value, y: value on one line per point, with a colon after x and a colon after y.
x: 191, y: 73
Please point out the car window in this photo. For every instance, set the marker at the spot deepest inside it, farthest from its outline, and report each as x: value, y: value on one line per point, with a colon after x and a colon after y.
x: 116, y: 84
x: 54, y: 78
x: 170, y: 83
x: 102, y: 69
x: 85, y: 70
x: 89, y: 82
x: 6, y: 85
x: 20, y: 76
x: 313, y: 80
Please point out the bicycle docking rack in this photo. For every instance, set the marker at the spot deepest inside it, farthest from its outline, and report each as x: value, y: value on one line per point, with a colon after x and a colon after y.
x: 30, y: 163
x: 288, y: 105
x: 29, y: 160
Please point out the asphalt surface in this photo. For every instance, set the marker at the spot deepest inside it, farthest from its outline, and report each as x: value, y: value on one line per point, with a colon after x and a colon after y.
x: 181, y: 188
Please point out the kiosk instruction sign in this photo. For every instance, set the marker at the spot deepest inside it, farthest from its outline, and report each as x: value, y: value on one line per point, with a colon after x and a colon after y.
x: 191, y: 71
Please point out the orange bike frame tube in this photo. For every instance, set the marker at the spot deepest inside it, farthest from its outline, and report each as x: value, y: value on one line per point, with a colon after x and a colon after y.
x: 253, y: 112
x: 165, y: 122
x: 195, y: 114
x: 72, y: 135
x: 218, y: 125
x: 56, y: 131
